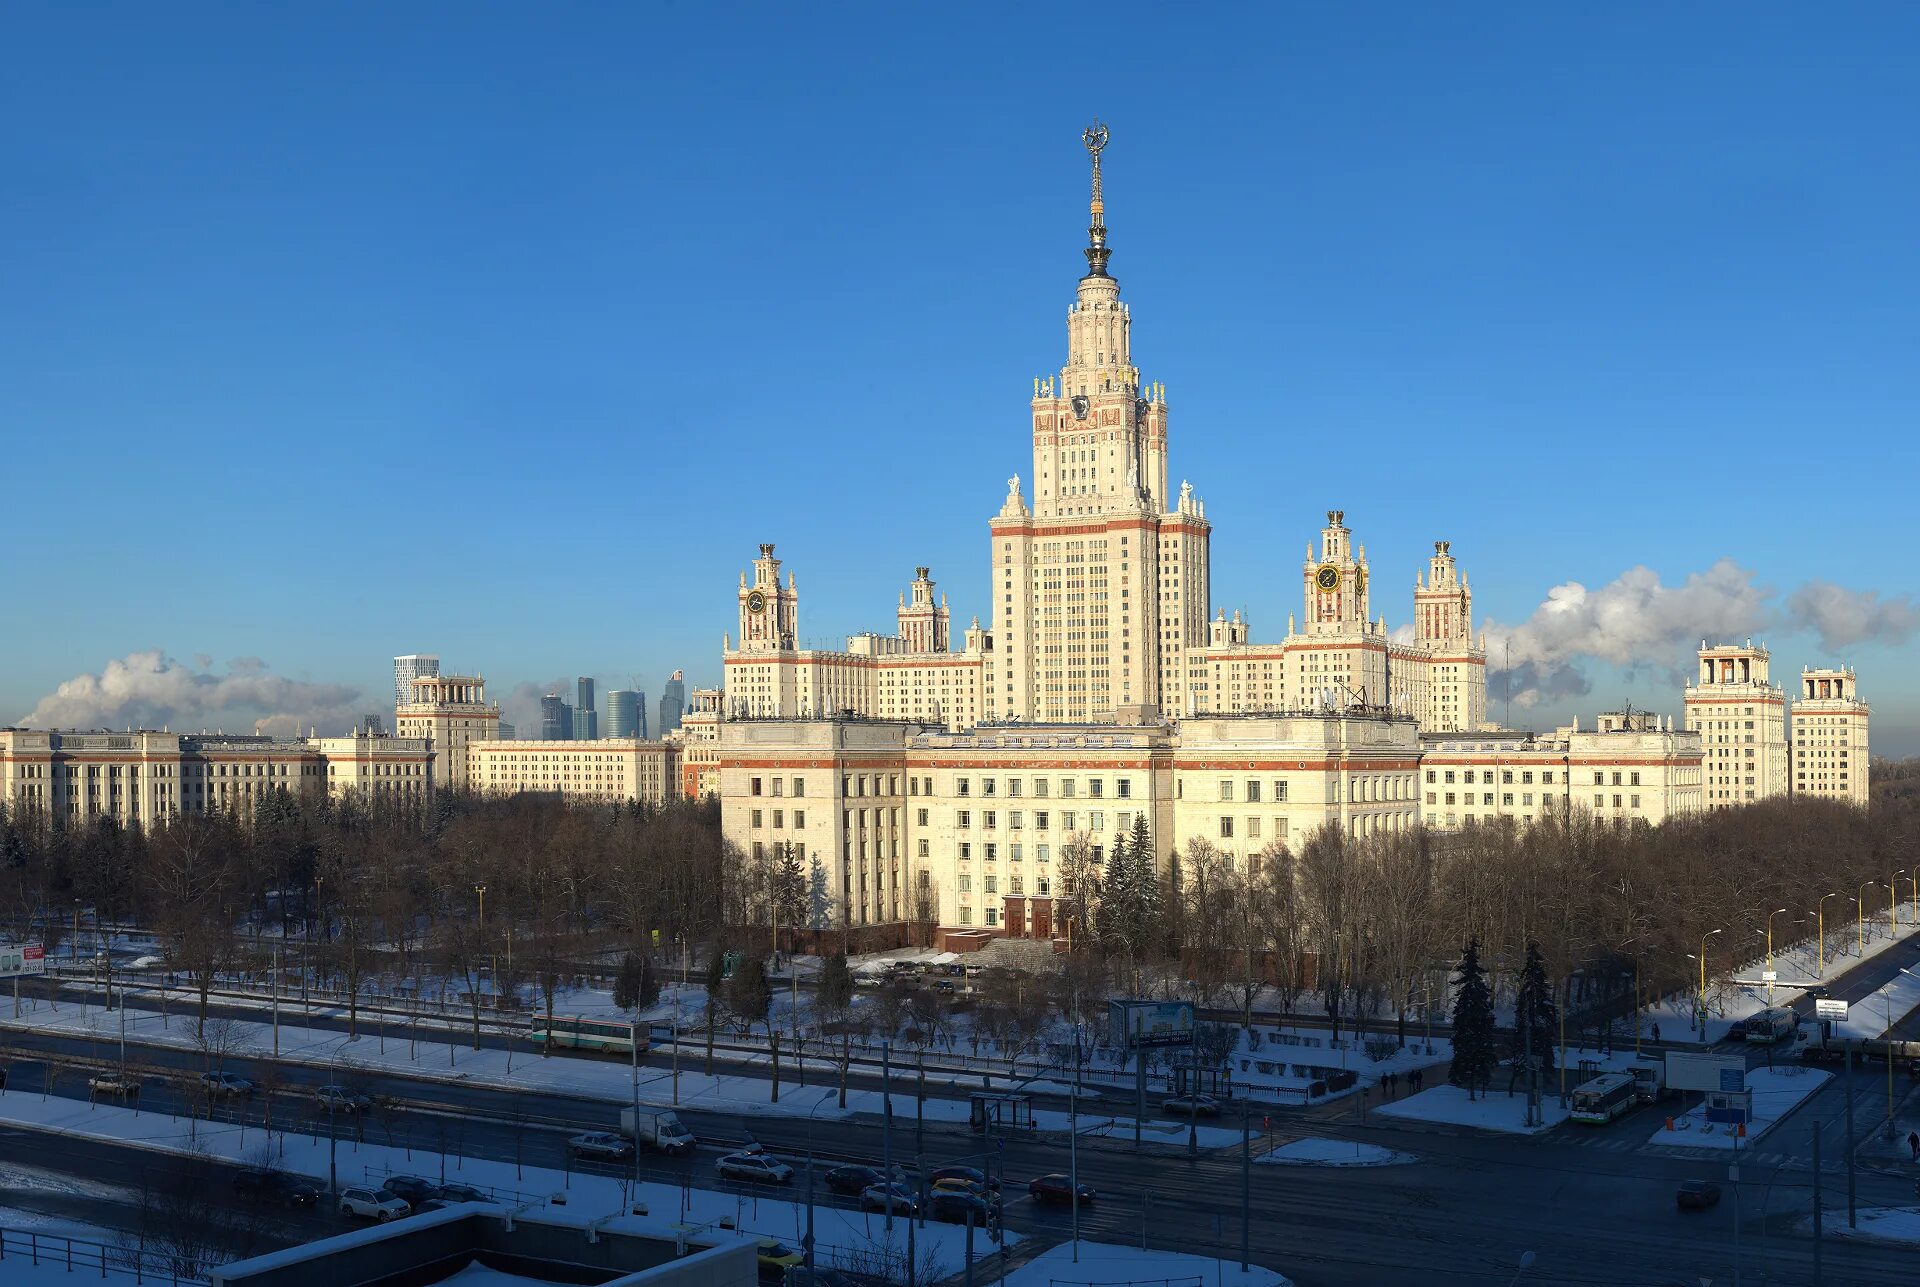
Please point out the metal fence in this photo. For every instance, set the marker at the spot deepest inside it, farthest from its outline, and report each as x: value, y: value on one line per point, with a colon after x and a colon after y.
x: 1194, y: 1281
x: 93, y: 1259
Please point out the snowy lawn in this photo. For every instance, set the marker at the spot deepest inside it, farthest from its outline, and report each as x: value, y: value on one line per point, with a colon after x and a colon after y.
x: 843, y: 1231
x: 1877, y: 1224
x: 1493, y: 1111
x: 1776, y: 1092
x: 1322, y: 1152
x: 1868, y: 1017
x: 1102, y: 1262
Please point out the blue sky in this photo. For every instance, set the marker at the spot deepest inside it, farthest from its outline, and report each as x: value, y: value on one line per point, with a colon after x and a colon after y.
x: 507, y: 332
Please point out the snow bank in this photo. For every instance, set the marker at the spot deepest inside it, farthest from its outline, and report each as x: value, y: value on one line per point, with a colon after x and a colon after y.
x: 1493, y: 1111
x: 1776, y: 1092
x: 1103, y: 1262
x: 1323, y: 1152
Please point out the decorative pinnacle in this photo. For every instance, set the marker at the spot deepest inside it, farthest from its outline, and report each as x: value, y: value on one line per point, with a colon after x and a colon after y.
x: 1095, y: 138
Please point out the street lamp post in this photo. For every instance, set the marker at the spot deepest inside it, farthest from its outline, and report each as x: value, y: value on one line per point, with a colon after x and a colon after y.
x: 1888, y: 998
x: 1703, y: 981
x: 1770, y: 915
x: 1893, y: 902
x: 1820, y: 915
x: 1860, y: 916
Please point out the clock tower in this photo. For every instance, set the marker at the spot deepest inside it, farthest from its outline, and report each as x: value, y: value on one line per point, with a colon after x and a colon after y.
x: 769, y: 614
x: 1336, y: 581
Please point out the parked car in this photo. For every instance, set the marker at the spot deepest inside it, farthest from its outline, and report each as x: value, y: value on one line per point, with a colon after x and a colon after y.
x: 776, y: 1257
x: 755, y: 1168
x: 114, y: 1083
x: 967, y: 1188
x: 601, y: 1146
x: 275, y: 1186
x: 951, y: 1207
x: 1697, y: 1195
x: 1191, y: 1105
x: 972, y: 1175
x: 460, y: 1193
x: 897, y: 1197
x: 341, y: 1100
x: 372, y: 1204
x: 851, y: 1181
x: 409, y: 1188
x: 225, y: 1085
x: 1057, y: 1189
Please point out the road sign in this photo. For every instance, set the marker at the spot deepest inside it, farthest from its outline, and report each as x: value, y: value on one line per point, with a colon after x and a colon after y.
x: 1733, y: 1079
x: 1769, y: 976
x: 1826, y: 1008
x: 16, y: 958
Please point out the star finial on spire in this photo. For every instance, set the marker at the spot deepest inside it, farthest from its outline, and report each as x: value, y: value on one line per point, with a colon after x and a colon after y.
x: 1095, y: 138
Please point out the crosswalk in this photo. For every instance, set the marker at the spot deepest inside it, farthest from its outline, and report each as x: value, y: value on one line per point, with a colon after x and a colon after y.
x: 1751, y: 1157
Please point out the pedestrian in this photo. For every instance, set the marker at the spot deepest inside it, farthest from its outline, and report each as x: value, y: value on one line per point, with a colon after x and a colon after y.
x: 1913, y: 1142
x: 1656, y: 1032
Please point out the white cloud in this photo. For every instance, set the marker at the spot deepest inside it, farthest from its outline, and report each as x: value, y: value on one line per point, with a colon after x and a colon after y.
x: 152, y: 690
x: 1842, y: 617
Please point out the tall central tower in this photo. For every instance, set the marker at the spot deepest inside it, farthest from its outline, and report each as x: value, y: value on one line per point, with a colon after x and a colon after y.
x: 1101, y: 587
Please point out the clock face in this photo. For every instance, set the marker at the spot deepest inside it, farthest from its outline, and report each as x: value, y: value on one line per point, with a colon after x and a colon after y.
x: 1079, y: 406
x: 1327, y: 577
x: 756, y: 601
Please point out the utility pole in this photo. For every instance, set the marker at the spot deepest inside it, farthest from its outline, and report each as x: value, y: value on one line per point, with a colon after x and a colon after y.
x: 1073, y: 1141
x: 806, y: 1243
x: 1816, y: 1204
x: 886, y: 1137
x: 1847, y: 1090
x: 276, y: 1000
x: 1246, y: 1181
x: 634, y: 1046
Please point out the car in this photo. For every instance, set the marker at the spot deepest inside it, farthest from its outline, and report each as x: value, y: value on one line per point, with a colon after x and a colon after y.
x: 966, y: 1188
x: 411, y: 1189
x: 372, y: 1204
x: 224, y: 1085
x: 895, y: 1197
x: 1697, y: 1195
x: 460, y: 1193
x: 971, y: 1174
x: 1191, y: 1105
x: 776, y: 1257
x: 275, y: 1186
x: 755, y: 1168
x: 1059, y: 1190
x: 601, y: 1146
x: 114, y: 1083
x: 851, y: 1181
x: 340, y: 1099
x: 950, y: 1207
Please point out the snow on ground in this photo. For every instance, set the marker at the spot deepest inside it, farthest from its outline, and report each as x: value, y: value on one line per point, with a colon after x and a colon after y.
x: 28, y: 1236
x: 1776, y: 1092
x: 605, y: 1080
x: 1289, y: 1059
x: 1877, y: 1224
x: 1107, y: 1263
x: 1494, y: 1111
x: 1868, y: 1017
x: 1729, y: 1003
x: 839, y: 1230
x: 1322, y: 1152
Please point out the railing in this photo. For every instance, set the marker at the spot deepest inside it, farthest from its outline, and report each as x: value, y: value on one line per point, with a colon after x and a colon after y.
x: 82, y: 1256
x: 1193, y: 1281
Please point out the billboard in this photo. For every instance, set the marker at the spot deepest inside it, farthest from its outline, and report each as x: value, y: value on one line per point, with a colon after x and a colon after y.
x: 1827, y: 1008
x: 1705, y: 1073
x: 1133, y: 1024
x: 17, y: 959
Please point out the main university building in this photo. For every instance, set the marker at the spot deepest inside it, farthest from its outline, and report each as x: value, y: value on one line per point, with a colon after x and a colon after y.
x: 943, y: 782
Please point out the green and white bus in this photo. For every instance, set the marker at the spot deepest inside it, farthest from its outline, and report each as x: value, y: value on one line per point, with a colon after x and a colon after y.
x: 571, y: 1032
x: 1604, y: 1098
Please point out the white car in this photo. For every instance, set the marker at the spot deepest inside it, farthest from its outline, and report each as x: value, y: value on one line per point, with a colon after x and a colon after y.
x: 340, y: 1099
x: 600, y: 1146
x: 372, y: 1204
x: 755, y: 1168
x: 224, y: 1085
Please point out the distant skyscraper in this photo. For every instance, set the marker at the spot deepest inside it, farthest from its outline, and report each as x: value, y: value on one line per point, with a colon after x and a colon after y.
x: 406, y: 669
x: 372, y: 724
x: 623, y: 713
x: 555, y: 726
x: 640, y: 715
x: 506, y: 732
x: 673, y: 704
x: 586, y: 711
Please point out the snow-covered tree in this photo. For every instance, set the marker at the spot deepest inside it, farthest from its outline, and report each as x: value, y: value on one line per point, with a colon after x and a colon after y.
x: 1473, y: 1056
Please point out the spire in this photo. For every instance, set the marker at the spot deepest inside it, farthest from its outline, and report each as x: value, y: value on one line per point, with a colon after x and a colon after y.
x: 1095, y: 138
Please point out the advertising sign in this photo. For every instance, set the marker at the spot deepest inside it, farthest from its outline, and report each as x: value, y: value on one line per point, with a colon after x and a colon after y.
x: 1133, y: 1024
x: 1826, y: 1008
x: 16, y: 959
x: 1704, y: 1072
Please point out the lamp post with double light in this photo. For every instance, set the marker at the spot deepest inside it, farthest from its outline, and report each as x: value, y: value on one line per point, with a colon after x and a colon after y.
x: 1701, y: 1005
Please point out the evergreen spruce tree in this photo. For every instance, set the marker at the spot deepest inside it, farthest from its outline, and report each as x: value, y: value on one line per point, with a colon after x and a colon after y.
x: 626, y: 982
x: 1146, y: 881
x: 649, y: 982
x: 1535, y: 1012
x: 1118, y: 897
x: 1473, y: 1056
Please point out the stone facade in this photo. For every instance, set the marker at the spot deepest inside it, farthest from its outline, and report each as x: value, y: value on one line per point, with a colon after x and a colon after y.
x: 608, y: 770
x: 1741, y: 716
x: 1830, y: 736
x: 452, y: 712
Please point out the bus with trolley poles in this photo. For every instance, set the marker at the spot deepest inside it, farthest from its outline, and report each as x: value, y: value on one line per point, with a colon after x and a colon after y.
x: 602, y: 1036
x: 1604, y: 1098
x: 1776, y: 1023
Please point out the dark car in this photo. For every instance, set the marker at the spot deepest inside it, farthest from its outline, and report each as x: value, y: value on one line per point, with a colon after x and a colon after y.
x: 275, y: 1186
x: 972, y: 1175
x: 852, y: 1181
x: 957, y: 1208
x: 1697, y: 1195
x: 411, y: 1187
x: 1058, y: 1190
x: 455, y: 1193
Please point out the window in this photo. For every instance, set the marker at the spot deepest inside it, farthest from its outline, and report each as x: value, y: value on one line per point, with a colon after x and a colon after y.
x: 1226, y: 789
x: 1599, y: 778
x: 1253, y: 793
x: 754, y: 820
x: 993, y: 884
x: 986, y: 787
x: 1280, y: 790
x: 966, y: 849
x: 799, y: 817
x: 756, y: 787
x: 1226, y: 828
x: 989, y: 819
x: 1016, y: 819
x: 1041, y: 853
x: 1040, y: 820
x: 1253, y: 828
x: 960, y: 787
x: 779, y: 786
x: 1430, y: 775
x: 779, y: 815
x: 1125, y: 788
x: 923, y: 851
x: 923, y: 820
x: 1096, y: 787
x: 964, y: 818
x: 1633, y: 779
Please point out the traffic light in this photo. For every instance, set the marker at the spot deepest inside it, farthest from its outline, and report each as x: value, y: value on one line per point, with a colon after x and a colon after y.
x: 993, y: 1221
